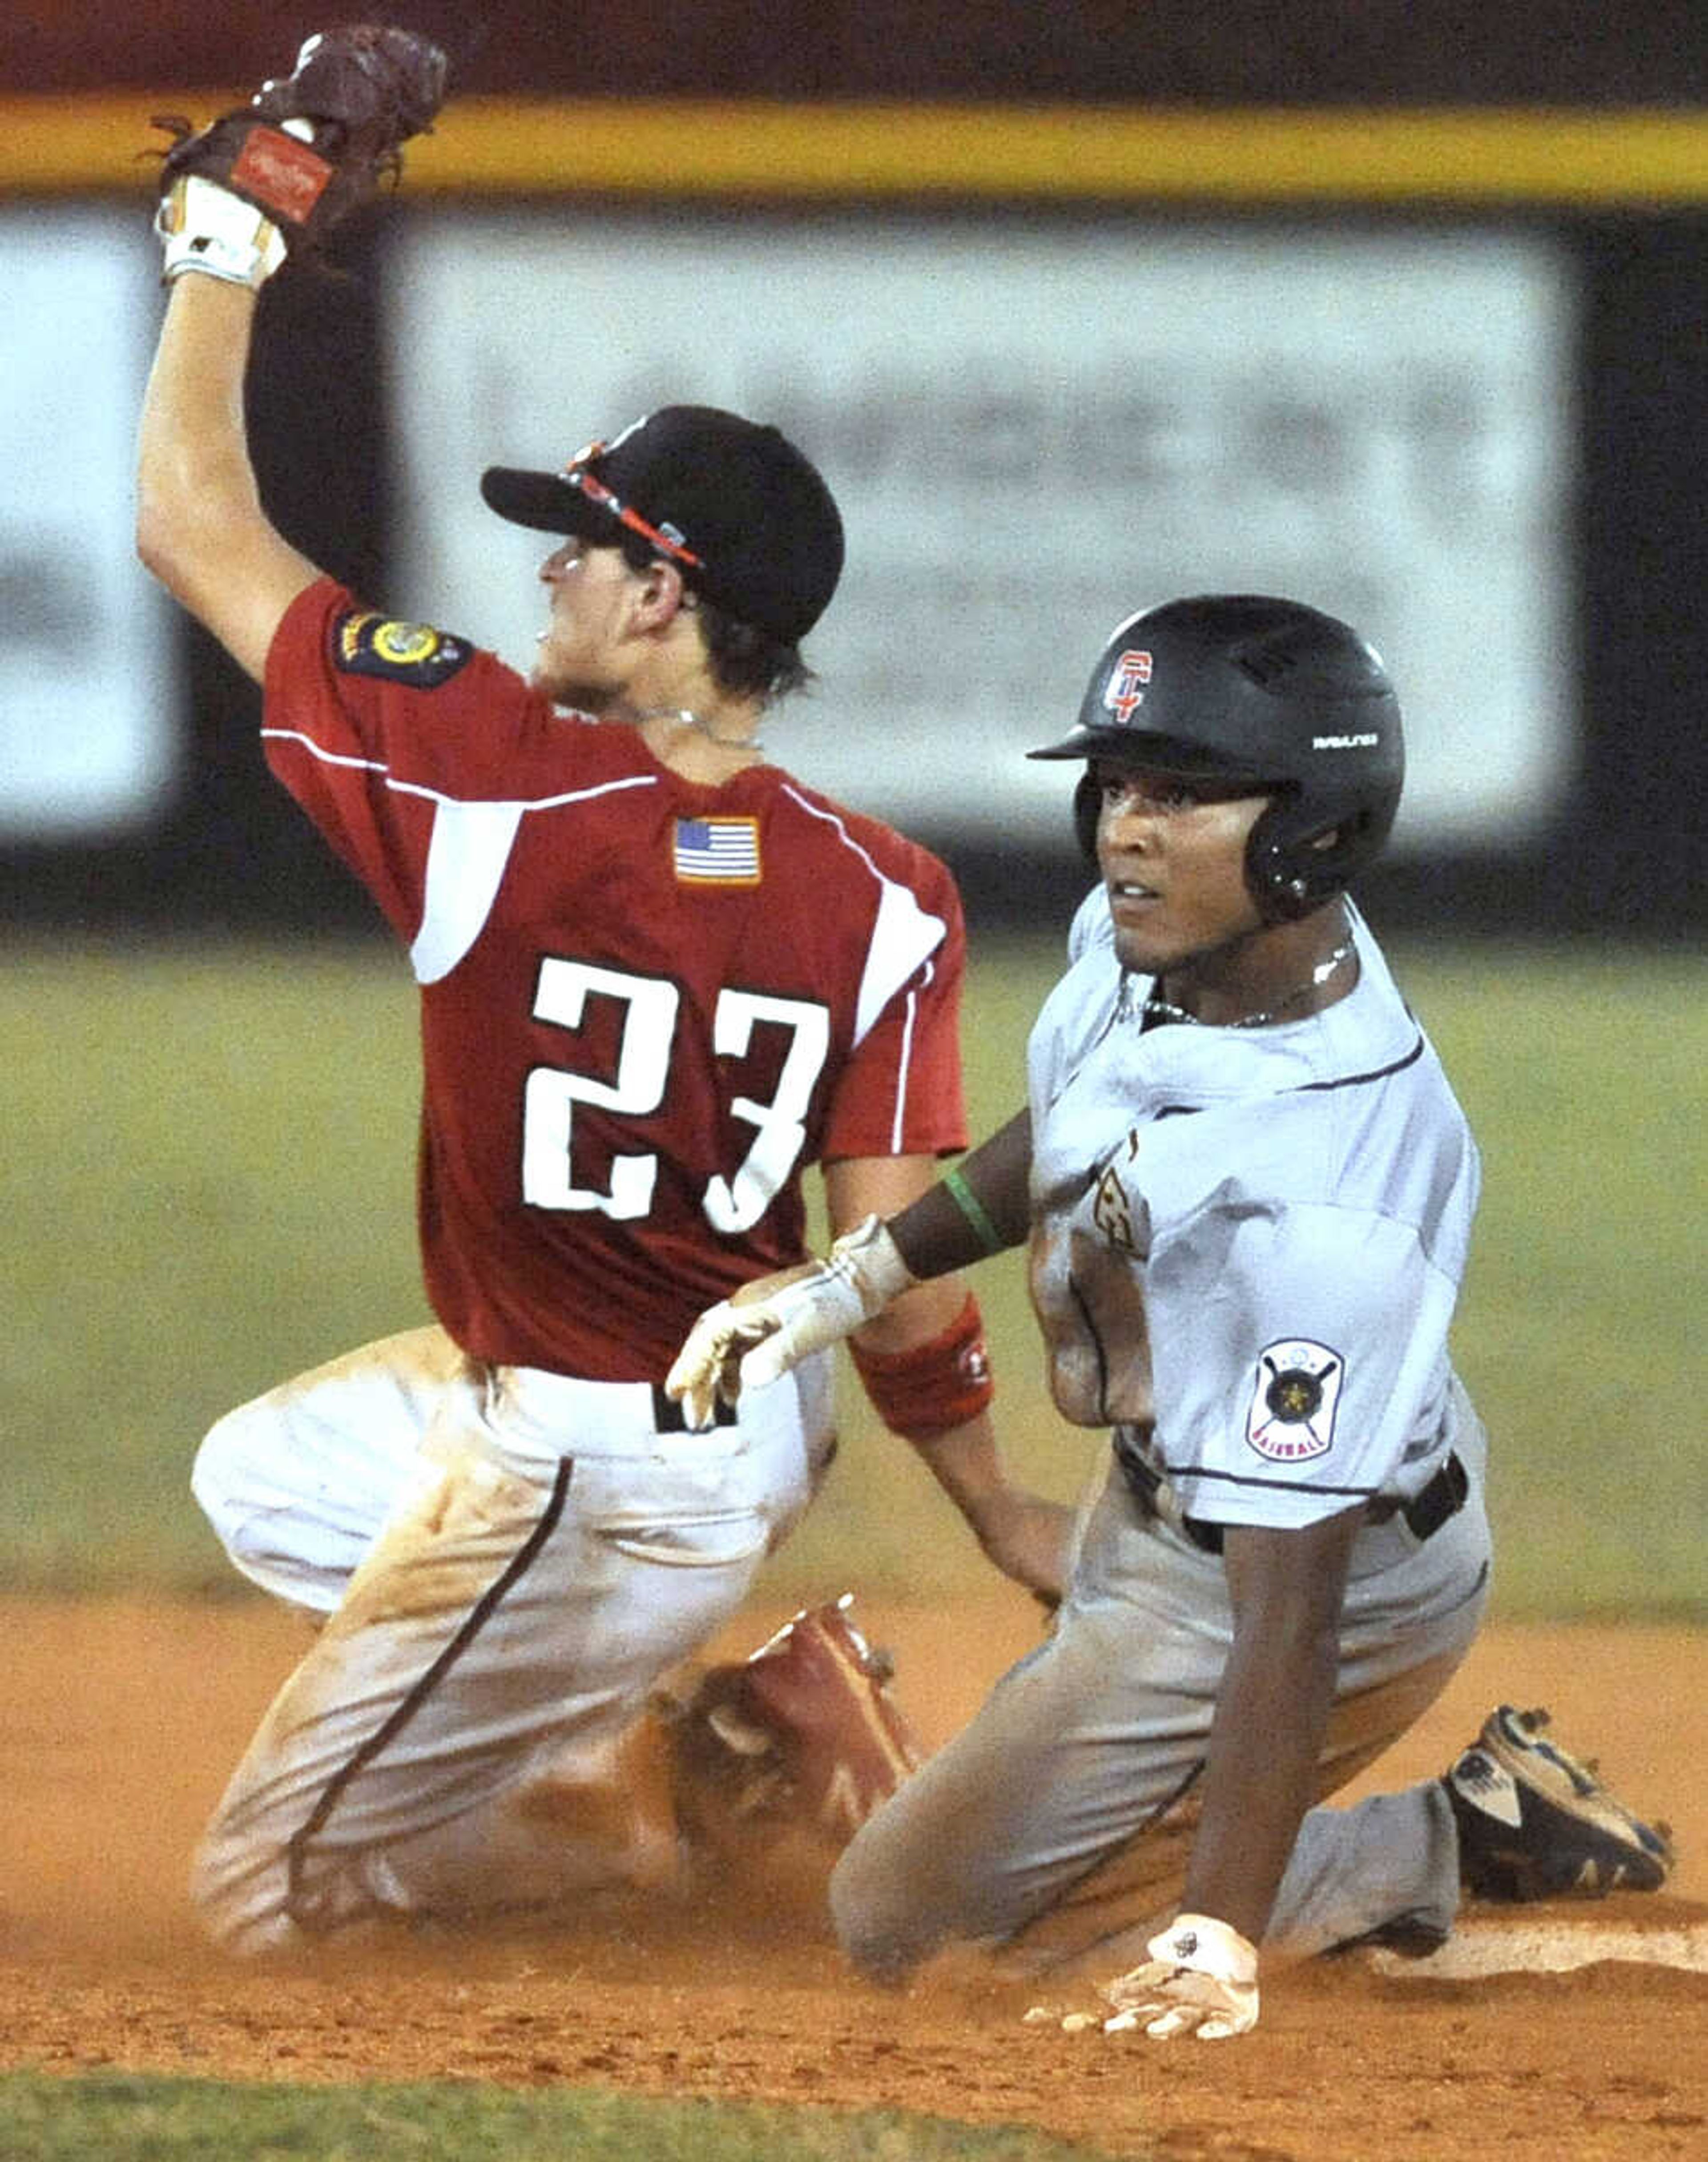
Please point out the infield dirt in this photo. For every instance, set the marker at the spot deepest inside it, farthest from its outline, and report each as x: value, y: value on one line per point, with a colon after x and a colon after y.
x: 119, y: 1720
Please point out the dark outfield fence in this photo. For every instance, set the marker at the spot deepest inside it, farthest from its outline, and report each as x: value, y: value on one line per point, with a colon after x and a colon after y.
x: 1244, y: 52
x: 1621, y: 857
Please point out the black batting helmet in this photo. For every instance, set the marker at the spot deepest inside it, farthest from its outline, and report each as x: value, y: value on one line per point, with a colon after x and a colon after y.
x: 1245, y: 687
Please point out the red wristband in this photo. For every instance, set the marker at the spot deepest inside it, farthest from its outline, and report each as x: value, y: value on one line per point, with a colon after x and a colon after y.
x: 924, y: 1391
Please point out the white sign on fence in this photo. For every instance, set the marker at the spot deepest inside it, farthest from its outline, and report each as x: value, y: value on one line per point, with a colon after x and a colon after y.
x: 1034, y: 427
x: 87, y: 688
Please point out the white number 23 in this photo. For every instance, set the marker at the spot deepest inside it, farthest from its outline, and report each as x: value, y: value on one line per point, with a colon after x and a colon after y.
x: 638, y: 1084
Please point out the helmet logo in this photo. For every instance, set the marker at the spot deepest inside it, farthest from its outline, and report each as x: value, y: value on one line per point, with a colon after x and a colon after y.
x: 1125, y: 689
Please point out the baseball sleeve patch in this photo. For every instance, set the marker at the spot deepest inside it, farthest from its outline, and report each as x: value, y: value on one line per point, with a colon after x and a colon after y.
x: 1294, y: 1395
x: 412, y: 653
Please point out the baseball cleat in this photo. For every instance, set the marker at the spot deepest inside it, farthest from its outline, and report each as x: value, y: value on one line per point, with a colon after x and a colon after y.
x: 1536, y: 1824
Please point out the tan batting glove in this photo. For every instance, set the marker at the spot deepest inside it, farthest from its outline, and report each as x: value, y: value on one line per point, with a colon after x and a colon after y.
x: 1201, y: 1978
x: 771, y: 1325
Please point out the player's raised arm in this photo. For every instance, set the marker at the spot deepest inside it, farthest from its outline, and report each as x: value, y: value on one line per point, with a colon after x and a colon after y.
x: 261, y: 185
x: 200, y: 528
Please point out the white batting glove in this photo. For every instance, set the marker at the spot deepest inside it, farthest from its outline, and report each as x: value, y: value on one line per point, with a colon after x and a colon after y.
x: 204, y: 227
x: 762, y: 1333
x: 1201, y: 1977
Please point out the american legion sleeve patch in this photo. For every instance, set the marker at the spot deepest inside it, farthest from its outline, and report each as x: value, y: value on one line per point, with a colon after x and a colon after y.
x: 367, y: 644
x: 1295, y: 1396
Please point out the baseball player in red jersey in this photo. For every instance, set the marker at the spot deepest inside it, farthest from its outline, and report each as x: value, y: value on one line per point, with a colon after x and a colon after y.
x: 658, y: 979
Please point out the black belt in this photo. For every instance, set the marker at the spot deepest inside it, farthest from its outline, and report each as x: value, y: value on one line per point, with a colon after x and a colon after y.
x: 1431, y: 1507
x: 1424, y: 1514
x: 668, y: 1416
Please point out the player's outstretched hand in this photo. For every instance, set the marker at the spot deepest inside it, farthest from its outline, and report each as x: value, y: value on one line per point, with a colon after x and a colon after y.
x: 773, y: 1324
x: 1201, y: 1979
x: 276, y: 175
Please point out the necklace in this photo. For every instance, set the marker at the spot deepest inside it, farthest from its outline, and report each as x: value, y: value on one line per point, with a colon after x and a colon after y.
x: 687, y: 719
x: 1164, y: 1010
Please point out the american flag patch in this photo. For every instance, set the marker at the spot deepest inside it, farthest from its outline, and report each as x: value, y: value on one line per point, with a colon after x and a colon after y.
x: 717, y: 851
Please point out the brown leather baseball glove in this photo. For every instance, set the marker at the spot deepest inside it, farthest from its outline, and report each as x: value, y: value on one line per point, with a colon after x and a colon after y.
x: 805, y: 1736
x: 305, y: 152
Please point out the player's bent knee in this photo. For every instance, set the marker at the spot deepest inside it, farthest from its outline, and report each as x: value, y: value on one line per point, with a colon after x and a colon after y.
x: 282, y: 1549
x: 231, y: 1477
x: 216, y: 1476
x: 239, y: 1899
x: 881, y: 1934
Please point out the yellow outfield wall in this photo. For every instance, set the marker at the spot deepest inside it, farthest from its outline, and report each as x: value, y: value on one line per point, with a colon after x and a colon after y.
x: 1632, y: 159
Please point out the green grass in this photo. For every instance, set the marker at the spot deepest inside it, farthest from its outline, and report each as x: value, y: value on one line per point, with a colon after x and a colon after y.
x: 1580, y: 1329
x: 122, y: 2118
x: 209, y: 1188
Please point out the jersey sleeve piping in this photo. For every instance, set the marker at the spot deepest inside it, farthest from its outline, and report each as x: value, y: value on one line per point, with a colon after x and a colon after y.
x: 467, y: 857
x: 1365, y: 1080
x: 467, y: 852
x: 441, y: 796
x: 905, y: 1065
x: 1199, y: 1475
x: 329, y: 757
x: 904, y: 937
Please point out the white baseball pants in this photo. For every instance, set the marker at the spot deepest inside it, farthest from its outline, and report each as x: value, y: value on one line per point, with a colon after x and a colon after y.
x: 509, y: 1560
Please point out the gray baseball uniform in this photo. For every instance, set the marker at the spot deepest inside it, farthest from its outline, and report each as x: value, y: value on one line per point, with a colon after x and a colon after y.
x: 1246, y: 1249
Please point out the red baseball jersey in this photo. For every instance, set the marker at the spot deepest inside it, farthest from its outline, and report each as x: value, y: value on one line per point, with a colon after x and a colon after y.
x: 646, y: 1003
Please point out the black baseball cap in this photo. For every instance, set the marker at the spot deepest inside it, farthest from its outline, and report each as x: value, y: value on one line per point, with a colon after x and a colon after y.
x: 744, y: 515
